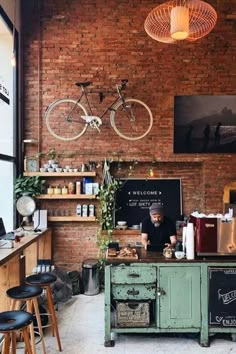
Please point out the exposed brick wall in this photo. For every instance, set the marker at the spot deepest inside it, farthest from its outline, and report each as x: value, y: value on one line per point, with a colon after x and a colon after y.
x: 104, y: 41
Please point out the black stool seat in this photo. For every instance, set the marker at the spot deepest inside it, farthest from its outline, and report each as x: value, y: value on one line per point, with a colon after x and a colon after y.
x: 24, y: 292
x: 41, y: 279
x: 13, y: 320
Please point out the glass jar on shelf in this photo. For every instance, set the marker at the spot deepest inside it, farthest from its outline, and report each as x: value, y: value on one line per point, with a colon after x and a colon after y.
x: 64, y: 190
x: 50, y: 190
x: 57, y: 190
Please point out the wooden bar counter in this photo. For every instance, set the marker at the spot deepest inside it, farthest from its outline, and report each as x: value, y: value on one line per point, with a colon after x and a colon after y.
x: 19, y: 261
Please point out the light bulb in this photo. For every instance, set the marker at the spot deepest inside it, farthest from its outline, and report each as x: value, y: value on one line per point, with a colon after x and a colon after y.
x: 13, y: 59
x: 151, y: 172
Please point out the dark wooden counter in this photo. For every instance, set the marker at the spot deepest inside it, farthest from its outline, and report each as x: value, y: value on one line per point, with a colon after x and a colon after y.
x: 157, y: 257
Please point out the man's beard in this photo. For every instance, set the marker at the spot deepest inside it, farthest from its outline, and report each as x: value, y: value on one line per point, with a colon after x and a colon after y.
x: 156, y: 223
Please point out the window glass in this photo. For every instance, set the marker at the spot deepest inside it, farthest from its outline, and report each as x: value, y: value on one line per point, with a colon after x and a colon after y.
x: 7, y: 124
x: 6, y: 91
x: 6, y: 193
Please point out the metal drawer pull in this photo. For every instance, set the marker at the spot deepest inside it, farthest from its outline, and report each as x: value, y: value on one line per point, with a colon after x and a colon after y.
x: 160, y: 292
x: 133, y: 292
x: 134, y: 275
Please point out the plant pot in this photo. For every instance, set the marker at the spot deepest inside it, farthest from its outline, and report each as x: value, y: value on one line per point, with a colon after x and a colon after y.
x: 51, y: 162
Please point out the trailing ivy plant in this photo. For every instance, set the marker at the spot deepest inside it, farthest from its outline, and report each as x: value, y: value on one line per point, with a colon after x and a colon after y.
x: 106, y: 196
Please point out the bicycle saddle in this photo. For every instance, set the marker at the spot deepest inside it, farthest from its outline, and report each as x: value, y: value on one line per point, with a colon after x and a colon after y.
x: 84, y: 84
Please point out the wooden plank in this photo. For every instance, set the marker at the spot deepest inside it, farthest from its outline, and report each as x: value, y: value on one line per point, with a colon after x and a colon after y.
x: 31, y: 257
x: 231, y: 16
x: 9, y: 277
x: 45, y: 246
x: 66, y: 196
x: 71, y: 218
x: 60, y: 174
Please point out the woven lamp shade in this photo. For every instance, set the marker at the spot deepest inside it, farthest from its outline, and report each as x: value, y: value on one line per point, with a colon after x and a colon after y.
x: 180, y: 20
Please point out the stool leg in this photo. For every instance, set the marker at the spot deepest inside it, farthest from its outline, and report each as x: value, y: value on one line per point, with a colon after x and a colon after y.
x: 31, y: 326
x: 6, y: 343
x: 37, y: 314
x: 13, y: 304
x: 54, y: 319
x: 13, y: 342
x: 27, y: 341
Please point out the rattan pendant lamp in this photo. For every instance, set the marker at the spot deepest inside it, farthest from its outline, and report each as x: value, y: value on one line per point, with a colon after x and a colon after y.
x: 178, y: 20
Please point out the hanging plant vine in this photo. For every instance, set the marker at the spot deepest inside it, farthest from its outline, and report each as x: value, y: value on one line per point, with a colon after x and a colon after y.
x: 106, y: 196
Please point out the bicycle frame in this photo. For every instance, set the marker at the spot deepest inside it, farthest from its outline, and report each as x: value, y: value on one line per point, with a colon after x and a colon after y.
x: 84, y: 93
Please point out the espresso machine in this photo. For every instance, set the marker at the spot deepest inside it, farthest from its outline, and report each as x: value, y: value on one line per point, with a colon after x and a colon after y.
x: 215, y: 236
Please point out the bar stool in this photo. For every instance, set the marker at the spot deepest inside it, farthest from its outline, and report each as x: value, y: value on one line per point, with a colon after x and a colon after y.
x: 10, y: 323
x: 44, y: 280
x: 29, y: 295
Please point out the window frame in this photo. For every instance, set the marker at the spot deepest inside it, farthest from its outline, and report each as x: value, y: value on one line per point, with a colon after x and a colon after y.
x: 17, y: 158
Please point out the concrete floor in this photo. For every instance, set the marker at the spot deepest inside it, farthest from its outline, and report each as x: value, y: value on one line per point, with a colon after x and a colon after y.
x: 81, y: 326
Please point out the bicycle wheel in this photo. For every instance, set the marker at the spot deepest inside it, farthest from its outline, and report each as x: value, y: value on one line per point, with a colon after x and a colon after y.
x: 132, y: 120
x: 63, y: 119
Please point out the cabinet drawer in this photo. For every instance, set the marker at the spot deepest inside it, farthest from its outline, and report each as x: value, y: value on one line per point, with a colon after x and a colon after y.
x: 133, y: 275
x: 134, y: 292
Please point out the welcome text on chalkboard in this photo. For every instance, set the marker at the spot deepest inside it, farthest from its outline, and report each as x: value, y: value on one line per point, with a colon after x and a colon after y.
x: 136, y: 195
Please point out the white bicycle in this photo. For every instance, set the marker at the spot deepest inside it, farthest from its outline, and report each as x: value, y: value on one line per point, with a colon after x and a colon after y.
x: 67, y: 119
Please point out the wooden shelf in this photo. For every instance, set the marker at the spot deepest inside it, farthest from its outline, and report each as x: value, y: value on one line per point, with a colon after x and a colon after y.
x: 126, y: 232
x: 66, y: 196
x: 231, y: 16
x: 60, y: 174
x: 71, y: 218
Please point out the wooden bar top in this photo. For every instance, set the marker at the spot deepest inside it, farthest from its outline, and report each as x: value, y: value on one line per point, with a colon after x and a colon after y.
x: 8, y: 253
x: 157, y: 257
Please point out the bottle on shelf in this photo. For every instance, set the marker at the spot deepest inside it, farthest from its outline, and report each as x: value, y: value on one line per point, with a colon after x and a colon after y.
x: 71, y: 188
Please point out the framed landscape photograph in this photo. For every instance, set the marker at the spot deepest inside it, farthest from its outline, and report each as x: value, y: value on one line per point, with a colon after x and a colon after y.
x: 205, y: 124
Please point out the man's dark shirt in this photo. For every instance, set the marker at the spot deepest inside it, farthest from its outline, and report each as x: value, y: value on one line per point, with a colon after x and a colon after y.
x: 159, y: 235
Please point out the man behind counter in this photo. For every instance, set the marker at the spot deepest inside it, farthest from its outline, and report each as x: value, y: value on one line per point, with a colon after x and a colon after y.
x: 157, y: 230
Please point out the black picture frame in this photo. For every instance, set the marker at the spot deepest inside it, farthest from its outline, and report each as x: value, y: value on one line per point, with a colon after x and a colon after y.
x: 135, y: 196
x: 205, y: 124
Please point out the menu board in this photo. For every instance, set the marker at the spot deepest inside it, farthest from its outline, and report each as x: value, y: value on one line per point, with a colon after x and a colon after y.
x: 136, y: 195
x: 222, y: 297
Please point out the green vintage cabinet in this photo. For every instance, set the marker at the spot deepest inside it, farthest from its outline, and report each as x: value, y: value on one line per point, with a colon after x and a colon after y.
x: 177, y: 291
x: 179, y: 297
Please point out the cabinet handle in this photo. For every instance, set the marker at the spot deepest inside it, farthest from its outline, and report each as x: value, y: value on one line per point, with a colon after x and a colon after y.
x: 134, y: 275
x: 133, y: 292
x: 160, y: 292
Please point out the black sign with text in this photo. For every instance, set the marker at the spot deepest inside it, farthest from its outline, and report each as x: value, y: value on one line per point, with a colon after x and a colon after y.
x: 222, y: 297
x: 136, y: 195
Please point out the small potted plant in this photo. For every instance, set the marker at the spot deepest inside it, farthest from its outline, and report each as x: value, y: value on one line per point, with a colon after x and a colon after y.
x: 28, y: 185
x: 52, y: 156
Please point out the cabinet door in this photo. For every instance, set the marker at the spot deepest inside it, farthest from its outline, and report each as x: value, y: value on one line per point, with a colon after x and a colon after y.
x: 180, y: 297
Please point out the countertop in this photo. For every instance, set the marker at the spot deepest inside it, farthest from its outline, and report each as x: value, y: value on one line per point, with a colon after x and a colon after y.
x: 7, y: 253
x: 157, y: 257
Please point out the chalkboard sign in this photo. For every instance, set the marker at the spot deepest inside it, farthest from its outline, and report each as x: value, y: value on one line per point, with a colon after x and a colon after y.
x: 222, y: 297
x: 136, y: 195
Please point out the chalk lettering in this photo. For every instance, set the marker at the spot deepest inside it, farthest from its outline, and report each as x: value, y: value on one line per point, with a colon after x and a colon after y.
x: 229, y: 322
x: 227, y: 298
